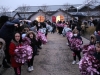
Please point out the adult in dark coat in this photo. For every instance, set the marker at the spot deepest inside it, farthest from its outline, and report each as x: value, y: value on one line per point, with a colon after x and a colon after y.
x: 3, y: 19
x: 98, y: 27
x: 54, y: 27
x: 95, y: 22
x: 6, y: 32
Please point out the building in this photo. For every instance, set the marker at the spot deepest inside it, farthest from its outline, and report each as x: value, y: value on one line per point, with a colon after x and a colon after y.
x: 56, y: 13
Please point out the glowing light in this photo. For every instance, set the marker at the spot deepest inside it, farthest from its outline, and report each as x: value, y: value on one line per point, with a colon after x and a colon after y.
x: 40, y: 18
x: 59, y: 18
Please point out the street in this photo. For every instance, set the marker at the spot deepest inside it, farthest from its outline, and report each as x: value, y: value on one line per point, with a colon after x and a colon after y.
x: 54, y: 59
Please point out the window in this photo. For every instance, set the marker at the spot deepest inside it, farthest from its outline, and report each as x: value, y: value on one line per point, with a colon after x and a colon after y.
x: 60, y: 18
x: 40, y: 18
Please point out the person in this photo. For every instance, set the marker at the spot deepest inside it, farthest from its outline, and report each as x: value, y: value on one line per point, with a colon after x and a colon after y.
x: 95, y: 22
x: 97, y: 32
x: 3, y: 19
x: 2, y: 48
x: 92, y: 43
x: 6, y: 33
x: 42, y: 30
x: 31, y: 35
x: 66, y: 29
x: 25, y: 30
x: 48, y: 26
x: 15, y: 42
x: 75, y: 45
x: 98, y: 27
x: 54, y: 27
x: 92, y: 40
x: 79, y: 23
x: 97, y: 55
x: 34, y: 28
x: 90, y: 63
x: 60, y: 29
x: 38, y: 26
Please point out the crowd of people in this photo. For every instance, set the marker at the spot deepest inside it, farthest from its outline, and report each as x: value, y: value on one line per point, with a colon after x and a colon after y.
x: 20, y: 41
x: 89, y: 64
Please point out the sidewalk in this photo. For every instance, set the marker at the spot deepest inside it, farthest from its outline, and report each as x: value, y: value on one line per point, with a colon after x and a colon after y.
x: 85, y: 41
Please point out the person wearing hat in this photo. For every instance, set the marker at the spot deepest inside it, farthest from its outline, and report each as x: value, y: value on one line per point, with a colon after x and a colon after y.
x: 31, y: 35
x: 92, y: 40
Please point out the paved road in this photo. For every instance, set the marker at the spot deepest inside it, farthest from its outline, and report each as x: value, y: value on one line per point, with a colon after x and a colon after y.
x: 54, y: 59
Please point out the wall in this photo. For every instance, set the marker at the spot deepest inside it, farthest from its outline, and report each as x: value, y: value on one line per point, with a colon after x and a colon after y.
x: 50, y: 17
x: 38, y: 14
x: 61, y: 13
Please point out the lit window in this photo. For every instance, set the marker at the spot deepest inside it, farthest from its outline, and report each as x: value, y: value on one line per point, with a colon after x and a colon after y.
x: 40, y: 18
x: 60, y: 18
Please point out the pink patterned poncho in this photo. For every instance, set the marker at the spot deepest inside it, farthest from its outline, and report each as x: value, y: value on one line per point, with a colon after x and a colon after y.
x: 42, y: 37
x: 89, y: 64
x: 24, y: 52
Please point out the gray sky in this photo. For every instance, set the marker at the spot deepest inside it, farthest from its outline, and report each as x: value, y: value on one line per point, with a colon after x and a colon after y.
x: 13, y: 4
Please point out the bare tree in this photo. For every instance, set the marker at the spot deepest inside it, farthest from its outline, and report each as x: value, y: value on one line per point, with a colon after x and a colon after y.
x: 24, y: 8
x: 4, y: 10
x: 66, y: 7
x: 44, y: 8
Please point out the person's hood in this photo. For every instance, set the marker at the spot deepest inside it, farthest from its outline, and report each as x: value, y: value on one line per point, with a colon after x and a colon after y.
x: 16, y: 43
x: 30, y: 32
x: 16, y: 21
x: 3, y: 42
x: 98, y: 38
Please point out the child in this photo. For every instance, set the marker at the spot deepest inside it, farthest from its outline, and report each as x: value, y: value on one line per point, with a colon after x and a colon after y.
x: 42, y: 30
x: 90, y: 63
x: 92, y: 40
x: 16, y: 42
x: 65, y: 30
x: 2, y: 48
x: 90, y: 45
x: 97, y: 55
x: 31, y: 35
x: 24, y: 31
x: 69, y: 35
x: 75, y: 45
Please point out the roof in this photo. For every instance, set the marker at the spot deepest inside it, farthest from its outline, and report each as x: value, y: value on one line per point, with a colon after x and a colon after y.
x: 93, y: 13
x: 50, y: 13
x: 9, y: 14
x: 92, y: 6
x: 49, y: 7
x: 25, y: 15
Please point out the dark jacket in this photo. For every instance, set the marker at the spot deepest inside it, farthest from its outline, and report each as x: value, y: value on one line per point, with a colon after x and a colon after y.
x: 8, y: 29
x: 97, y: 56
x: 34, y: 46
x: 98, y: 27
x: 6, y: 32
